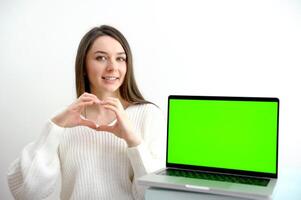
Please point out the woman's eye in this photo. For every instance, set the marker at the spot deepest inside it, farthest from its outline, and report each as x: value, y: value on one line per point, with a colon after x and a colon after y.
x: 121, y: 59
x: 101, y: 58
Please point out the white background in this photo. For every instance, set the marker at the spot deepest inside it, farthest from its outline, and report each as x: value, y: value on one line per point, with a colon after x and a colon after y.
x: 233, y: 48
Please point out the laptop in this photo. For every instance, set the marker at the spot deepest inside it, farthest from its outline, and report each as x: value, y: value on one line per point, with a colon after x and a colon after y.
x: 220, y: 145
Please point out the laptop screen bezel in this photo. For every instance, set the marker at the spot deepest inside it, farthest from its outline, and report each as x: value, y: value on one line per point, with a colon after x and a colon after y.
x: 223, y: 170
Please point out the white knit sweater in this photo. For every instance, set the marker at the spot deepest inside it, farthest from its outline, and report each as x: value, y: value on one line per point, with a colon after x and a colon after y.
x: 84, y: 164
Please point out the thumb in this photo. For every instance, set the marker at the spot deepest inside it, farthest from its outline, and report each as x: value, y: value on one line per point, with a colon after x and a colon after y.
x: 105, y: 128
x: 88, y: 123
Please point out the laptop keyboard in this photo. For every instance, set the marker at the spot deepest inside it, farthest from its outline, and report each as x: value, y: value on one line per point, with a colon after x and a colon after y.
x: 216, y: 177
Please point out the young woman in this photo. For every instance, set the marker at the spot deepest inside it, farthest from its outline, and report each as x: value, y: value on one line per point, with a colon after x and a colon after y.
x: 98, y: 146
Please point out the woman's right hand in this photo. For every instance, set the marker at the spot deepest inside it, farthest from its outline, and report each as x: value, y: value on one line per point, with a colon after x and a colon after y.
x: 71, y: 117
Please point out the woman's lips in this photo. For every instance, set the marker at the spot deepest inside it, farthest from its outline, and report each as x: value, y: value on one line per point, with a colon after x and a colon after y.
x: 110, y: 78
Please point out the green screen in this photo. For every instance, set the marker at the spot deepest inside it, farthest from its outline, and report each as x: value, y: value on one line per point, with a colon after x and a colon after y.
x: 240, y: 135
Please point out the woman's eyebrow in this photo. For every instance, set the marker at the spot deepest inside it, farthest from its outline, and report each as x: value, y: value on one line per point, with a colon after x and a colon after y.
x: 103, y: 52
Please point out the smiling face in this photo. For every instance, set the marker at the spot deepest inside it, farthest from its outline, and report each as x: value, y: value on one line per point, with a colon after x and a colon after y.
x: 106, y: 66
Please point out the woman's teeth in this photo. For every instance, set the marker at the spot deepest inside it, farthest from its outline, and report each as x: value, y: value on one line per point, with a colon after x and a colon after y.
x: 110, y: 78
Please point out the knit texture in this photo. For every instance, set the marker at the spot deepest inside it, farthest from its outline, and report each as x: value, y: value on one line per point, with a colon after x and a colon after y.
x: 81, y: 163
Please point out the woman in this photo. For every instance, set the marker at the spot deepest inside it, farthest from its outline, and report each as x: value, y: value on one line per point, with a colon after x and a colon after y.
x: 98, y: 146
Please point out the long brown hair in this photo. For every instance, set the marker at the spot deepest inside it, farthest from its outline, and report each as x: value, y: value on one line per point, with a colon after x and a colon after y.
x: 128, y: 90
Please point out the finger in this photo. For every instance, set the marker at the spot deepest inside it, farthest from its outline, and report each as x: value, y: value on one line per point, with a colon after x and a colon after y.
x: 86, y: 94
x: 105, y: 128
x: 88, y: 123
x: 83, y: 95
x: 115, y: 110
x: 112, y: 108
x: 85, y: 99
x: 83, y: 104
x: 112, y: 102
x: 112, y: 123
x: 79, y: 106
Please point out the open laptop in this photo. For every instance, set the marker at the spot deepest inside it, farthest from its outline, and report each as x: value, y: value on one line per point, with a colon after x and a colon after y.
x: 220, y: 145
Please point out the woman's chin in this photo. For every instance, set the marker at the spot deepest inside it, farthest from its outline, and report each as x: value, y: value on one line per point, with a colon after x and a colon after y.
x: 111, y: 89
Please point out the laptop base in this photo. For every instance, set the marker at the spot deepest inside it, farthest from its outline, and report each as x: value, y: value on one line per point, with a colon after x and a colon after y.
x: 208, y: 186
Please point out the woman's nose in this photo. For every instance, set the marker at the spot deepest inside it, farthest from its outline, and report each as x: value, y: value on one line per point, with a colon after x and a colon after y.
x: 111, y: 65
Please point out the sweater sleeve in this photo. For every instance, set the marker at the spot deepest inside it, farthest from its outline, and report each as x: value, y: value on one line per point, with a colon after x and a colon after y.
x: 149, y: 156
x: 35, y: 174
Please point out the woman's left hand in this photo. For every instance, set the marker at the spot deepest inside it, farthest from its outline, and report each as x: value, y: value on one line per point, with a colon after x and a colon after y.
x: 122, y: 127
